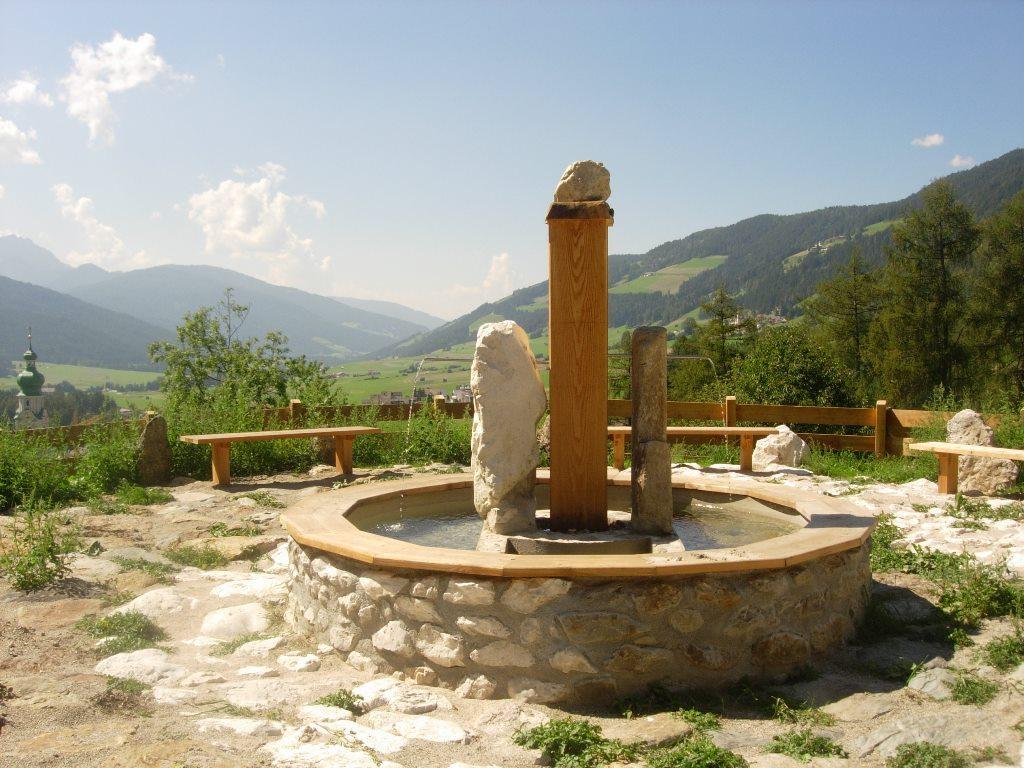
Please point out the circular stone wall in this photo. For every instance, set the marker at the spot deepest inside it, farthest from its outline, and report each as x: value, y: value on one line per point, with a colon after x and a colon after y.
x: 555, y: 631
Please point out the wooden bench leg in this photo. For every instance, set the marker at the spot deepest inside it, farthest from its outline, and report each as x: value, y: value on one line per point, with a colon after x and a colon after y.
x: 343, y: 454
x: 948, y: 472
x: 221, y: 463
x: 746, y: 453
x: 619, y: 451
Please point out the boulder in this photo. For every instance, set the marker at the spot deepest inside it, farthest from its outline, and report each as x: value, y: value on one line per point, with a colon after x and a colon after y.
x: 154, y: 452
x: 785, y: 449
x: 508, y: 402
x: 235, y: 621
x: 150, y: 665
x: 584, y: 181
x: 978, y: 474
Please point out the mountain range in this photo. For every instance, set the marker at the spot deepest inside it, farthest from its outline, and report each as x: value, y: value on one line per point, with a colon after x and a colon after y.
x: 773, y: 262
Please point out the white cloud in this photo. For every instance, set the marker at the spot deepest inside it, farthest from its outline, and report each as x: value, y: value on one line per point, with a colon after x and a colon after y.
x: 14, y: 144
x: 105, y: 246
x: 115, y: 66
x: 931, y: 140
x: 962, y: 161
x: 25, y: 91
x: 249, y: 219
x: 221, y: 62
x: 495, y: 285
x: 2, y: 191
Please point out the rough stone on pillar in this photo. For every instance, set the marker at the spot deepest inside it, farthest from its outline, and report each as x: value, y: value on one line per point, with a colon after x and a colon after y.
x: 584, y: 181
x: 652, y: 456
x: 508, y: 402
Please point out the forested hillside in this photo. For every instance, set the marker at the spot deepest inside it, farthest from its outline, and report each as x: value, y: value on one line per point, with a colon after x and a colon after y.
x: 756, y: 268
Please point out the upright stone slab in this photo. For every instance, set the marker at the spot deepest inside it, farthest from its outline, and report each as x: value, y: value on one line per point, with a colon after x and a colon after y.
x: 508, y: 402
x: 652, y: 457
x: 978, y: 474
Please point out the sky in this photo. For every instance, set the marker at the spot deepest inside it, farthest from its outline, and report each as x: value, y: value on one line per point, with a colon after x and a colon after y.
x: 408, y: 151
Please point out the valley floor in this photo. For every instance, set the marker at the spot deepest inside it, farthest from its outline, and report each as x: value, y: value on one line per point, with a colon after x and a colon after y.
x: 214, y: 704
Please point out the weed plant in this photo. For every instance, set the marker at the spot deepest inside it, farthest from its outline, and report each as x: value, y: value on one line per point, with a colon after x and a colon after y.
x: 263, y: 499
x: 205, y: 557
x: 803, y: 745
x: 701, y: 721
x: 159, y: 571
x: 220, y: 530
x: 136, y: 495
x: 344, y: 699
x: 122, y: 632
x: 37, y: 549
x: 924, y: 754
x: 571, y: 743
x: 1005, y: 653
x: 971, y: 689
x: 696, y: 752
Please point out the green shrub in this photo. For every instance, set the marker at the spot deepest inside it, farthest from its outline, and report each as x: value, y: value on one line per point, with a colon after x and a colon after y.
x: 31, y: 468
x: 37, y: 549
x: 701, y: 721
x: 971, y: 689
x: 344, y: 699
x: 696, y: 752
x: 571, y: 743
x: 159, y: 571
x: 433, y: 436
x: 205, y: 557
x: 122, y: 632
x: 107, y: 456
x: 1005, y: 653
x: 802, y: 714
x: 220, y: 530
x: 924, y: 754
x: 123, y: 695
x: 263, y: 499
x: 803, y: 745
x: 101, y: 506
x: 136, y: 495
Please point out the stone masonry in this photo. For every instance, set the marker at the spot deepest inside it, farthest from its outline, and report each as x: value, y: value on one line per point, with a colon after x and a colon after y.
x: 576, y: 641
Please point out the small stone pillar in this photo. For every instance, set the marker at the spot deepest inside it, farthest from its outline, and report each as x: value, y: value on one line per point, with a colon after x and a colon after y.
x: 652, y: 457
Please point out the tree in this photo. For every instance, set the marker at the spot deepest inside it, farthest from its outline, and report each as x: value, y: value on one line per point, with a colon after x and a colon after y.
x: 210, y: 357
x: 786, y: 367
x: 728, y: 331
x: 619, y: 367
x: 916, y: 342
x: 996, y: 313
x: 843, y: 310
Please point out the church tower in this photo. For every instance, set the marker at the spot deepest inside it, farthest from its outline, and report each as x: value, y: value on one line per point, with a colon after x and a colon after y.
x: 31, y: 413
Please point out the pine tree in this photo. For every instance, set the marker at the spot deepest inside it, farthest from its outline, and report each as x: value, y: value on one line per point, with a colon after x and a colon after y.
x: 996, y: 314
x: 842, y: 311
x: 916, y: 343
x: 728, y: 331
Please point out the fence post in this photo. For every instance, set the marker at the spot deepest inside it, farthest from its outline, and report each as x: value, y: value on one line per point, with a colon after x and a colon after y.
x: 730, y: 411
x: 296, y: 411
x: 881, y: 411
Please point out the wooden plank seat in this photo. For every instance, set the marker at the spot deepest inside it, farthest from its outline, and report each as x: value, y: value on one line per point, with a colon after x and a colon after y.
x: 221, y: 445
x: 948, y: 453
x: 747, y: 436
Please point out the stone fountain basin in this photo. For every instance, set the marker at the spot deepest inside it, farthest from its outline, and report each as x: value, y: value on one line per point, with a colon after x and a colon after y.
x: 583, y: 628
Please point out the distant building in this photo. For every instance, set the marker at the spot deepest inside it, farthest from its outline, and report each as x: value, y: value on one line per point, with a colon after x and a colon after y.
x: 462, y: 394
x: 389, y: 398
x: 31, y: 412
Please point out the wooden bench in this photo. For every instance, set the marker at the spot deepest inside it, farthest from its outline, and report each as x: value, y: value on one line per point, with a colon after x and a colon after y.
x: 947, y: 454
x: 747, y: 436
x: 221, y: 444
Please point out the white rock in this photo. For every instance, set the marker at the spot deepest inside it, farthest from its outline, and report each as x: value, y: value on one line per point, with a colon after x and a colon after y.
x: 508, y: 402
x: 378, y: 585
x: 158, y: 603
x: 417, y: 609
x: 257, y: 649
x: 570, y: 660
x: 257, y: 672
x: 261, y: 694
x: 485, y: 626
x: 786, y: 449
x: 440, y: 647
x: 978, y: 474
x: 310, y: 746
x: 278, y: 559
x: 321, y: 713
x: 299, y: 662
x: 535, y: 691
x: 200, y: 678
x: 378, y: 740
x: 261, y: 586
x: 240, y: 726
x: 584, y: 181
x: 92, y: 568
x: 527, y: 595
x: 235, y: 621
x: 373, y: 692
x: 502, y: 653
x: 469, y: 592
x: 163, y: 694
x: 419, y: 727
x: 150, y: 665
x: 479, y: 687
x: 394, y: 637
x: 935, y: 683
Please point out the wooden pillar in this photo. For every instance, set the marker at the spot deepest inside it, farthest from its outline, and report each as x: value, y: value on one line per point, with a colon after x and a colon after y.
x: 881, y: 414
x: 729, y: 416
x: 746, y: 453
x: 343, y: 454
x: 221, y: 468
x: 619, y: 451
x: 296, y: 412
x: 578, y: 328
x: 949, y: 469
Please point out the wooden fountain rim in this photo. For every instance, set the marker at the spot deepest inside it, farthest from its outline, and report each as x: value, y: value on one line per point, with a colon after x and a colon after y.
x: 829, y: 525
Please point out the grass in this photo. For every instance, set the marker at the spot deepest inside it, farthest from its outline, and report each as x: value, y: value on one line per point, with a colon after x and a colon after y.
x: 803, y: 745
x: 864, y: 468
x: 802, y: 714
x: 668, y: 279
x: 924, y: 754
x: 136, y: 495
x: 159, y: 571
x: 220, y: 530
x: 696, y: 752
x: 1005, y: 653
x: 99, y: 505
x: 37, y: 550
x: 84, y: 376
x: 263, y: 499
x: 701, y: 721
x: 571, y: 743
x: 344, y: 699
x: 122, y: 632
x: 230, y: 646
x: 123, y: 695
x: 205, y: 557
x: 114, y: 599
x: 971, y: 689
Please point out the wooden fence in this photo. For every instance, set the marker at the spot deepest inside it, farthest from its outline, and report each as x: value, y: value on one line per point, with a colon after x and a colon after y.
x: 72, y: 435
x: 879, y: 429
